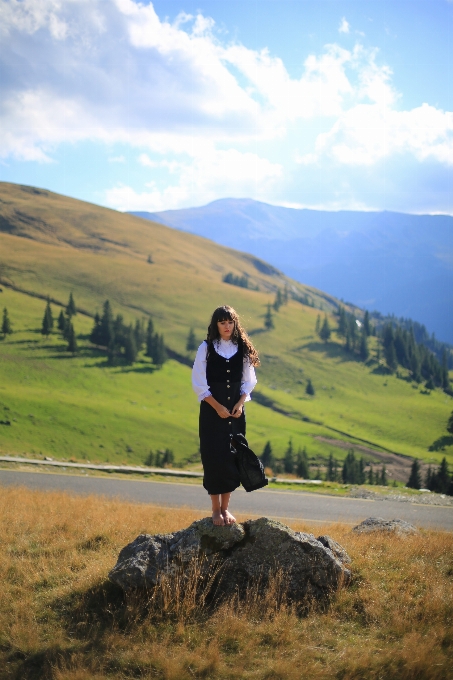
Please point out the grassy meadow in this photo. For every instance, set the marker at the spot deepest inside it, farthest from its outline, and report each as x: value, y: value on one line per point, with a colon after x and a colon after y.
x: 81, y: 408
x: 60, y: 618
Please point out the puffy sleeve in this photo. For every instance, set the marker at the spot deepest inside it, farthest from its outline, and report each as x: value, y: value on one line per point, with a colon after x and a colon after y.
x: 199, y: 382
x: 248, y: 378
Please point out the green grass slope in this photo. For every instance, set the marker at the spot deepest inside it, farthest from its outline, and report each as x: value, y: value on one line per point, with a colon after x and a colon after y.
x: 79, y: 407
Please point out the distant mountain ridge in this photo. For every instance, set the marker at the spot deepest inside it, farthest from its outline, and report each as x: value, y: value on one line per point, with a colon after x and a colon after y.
x: 395, y: 263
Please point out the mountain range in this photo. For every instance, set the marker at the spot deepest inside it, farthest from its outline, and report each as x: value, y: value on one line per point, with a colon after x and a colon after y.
x: 394, y: 263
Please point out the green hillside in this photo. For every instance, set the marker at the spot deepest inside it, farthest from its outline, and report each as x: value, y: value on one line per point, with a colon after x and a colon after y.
x: 80, y: 407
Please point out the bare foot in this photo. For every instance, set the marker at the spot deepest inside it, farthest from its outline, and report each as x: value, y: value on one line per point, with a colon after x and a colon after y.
x: 217, y: 519
x: 228, y: 517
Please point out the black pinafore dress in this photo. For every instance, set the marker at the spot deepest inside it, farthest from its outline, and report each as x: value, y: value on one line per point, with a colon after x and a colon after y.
x: 224, y: 377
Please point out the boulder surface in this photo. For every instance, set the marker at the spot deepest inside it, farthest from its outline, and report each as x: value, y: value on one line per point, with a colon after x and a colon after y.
x: 396, y: 526
x: 243, y: 554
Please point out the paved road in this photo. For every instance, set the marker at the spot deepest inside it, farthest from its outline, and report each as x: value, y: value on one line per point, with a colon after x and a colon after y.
x: 284, y: 505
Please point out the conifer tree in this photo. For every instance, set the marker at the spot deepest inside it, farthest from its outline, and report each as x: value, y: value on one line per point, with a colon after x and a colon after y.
x: 383, y: 476
x: 139, y: 335
x: 341, y: 330
x: 6, y: 324
x: 102, y: 332
x: 370, y: 475
x: 130, y: 348
x: 325, y: 331
x: 390, y: 357
x: 364, y: 351
x: 150, y: 339
x: 47, y: 321
x: 160, y: 354
x: 442, y: 477
x: 285, y: 295
x: 61, y: 322
x: 428, y: 478
x: 71, y: 308
x: 106, y: 334
x: 267, y: 457
x: 318, y: 324
x: 191, y: 343
x: 310, y: 389
x: 414, y: 481
x: 331, y: 474
x: 268, y: 319
x: 450, y: 423
x: 302, y: 466
x: 278, y: 300
x: 72, y: 341
x: 366, y: 324
x: 288, y: 460
x: 445, y: 378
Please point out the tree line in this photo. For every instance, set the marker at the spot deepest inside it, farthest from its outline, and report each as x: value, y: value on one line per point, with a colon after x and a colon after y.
x: 123, y: 340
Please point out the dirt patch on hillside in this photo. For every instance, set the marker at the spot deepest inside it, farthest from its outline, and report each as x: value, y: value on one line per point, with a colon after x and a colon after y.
x: 398, y: 467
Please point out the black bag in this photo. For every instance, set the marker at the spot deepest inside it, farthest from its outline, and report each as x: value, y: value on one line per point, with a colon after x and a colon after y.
x: 251, y: 471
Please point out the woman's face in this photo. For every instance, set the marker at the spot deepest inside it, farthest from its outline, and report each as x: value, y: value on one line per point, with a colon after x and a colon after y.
x: 226, y: 329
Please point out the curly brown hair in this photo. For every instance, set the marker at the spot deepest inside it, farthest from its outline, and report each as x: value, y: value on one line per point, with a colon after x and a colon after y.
x: 239, y: 336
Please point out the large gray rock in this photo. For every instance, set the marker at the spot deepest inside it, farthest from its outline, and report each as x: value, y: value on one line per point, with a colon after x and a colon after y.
x: 243, y: 554
x: 396, y: 526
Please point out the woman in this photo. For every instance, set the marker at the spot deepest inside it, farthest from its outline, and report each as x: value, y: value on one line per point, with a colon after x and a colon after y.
x: 223, y: 376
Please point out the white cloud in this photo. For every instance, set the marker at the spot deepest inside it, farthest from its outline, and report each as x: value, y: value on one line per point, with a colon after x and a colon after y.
x: 344, y: 26
x: 368, y: 133
x: 193, y: 106
x: 117, y: 159
x: 208, y: 177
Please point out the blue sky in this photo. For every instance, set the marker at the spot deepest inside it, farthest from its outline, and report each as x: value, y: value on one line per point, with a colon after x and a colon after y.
x: 326, y: 104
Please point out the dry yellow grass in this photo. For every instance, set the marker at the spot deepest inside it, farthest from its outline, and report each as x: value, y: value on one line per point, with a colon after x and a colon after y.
x: 60, y: 619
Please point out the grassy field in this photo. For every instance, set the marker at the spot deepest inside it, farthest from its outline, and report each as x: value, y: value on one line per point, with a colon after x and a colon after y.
x: 81, y: 408
x: 60, y: 619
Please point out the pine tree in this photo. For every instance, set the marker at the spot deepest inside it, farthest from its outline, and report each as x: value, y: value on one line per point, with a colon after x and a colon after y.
x: 370, y: 475
x: 342, y: 324
x: 302, y: 466
x: 390, y: 357
x: 318, y: 324
x: 47, y: 321
x: 366, y: 324
x: 268, y: 319
x: 428, y: 478
x: 325, y: 332
x: 150, y: 338
x: 150, y: 259
x: 267, y: 457
x: 159, y: 353
x: 310, y: 389
x: 61, y: 323
x: 450, y: 423
x: 364, y: 351
x: 6, y: 324
x: 191, y: 343
x: 442, y: 477
x: 288, y: 460
x: 331, y: 474
x: 139, y: 335
x: 383, y: 476
x: 102, y: 332
x: 71, y: 308
x: 72, y: 341
x: 130, y: 348
x: 445, y: 378
x: 415, y: 481
x: 278, y: 300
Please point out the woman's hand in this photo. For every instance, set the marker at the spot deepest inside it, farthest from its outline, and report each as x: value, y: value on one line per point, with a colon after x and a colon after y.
x: 238, y: 408
x: 223, y: 412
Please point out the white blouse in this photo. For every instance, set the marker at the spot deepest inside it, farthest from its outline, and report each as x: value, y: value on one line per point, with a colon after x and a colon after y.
x: 226, y: 349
